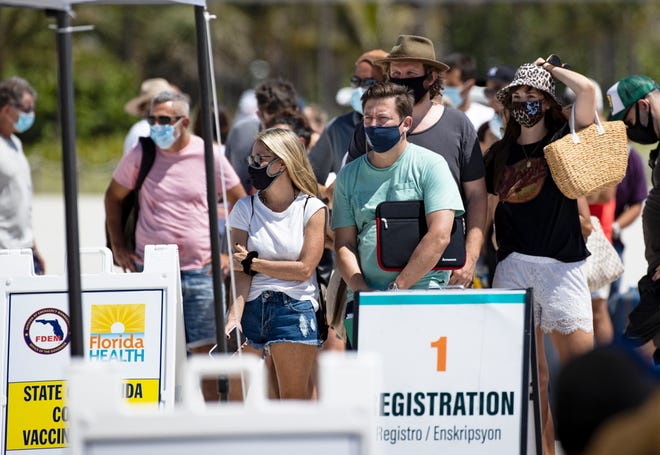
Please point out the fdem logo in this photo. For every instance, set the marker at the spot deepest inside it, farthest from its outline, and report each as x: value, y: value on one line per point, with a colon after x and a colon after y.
x: 117, y: 332
x: 47, y: 331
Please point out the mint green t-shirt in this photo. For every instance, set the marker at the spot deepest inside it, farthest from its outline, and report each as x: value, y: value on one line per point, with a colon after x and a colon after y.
x: 418, y: 174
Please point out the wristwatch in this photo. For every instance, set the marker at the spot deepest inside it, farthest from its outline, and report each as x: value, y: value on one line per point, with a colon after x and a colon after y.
x: 392, y: 286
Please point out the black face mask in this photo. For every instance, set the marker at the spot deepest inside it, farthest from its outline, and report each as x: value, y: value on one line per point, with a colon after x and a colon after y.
x: 640, y: 133
x: 260, y: 177
x: 416, y: 84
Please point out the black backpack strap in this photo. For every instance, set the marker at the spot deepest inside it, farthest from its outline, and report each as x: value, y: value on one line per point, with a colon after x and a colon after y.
x: 148, y: 158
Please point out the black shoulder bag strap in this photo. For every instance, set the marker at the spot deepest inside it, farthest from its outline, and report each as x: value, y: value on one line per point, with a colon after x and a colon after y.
x: 130, y: 205
x: 148, y: 158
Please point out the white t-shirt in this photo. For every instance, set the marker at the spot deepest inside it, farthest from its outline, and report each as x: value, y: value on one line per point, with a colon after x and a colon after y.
x: 277, y: 236
x: 139, y: 129
x: 479, y: 114
x: 15, y: 196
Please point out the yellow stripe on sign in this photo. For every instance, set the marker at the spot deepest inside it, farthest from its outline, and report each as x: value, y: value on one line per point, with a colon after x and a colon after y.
x: 141, y: 391
x: 36, y: 415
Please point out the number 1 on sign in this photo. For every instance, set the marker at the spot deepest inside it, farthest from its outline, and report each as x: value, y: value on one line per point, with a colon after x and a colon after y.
x: 441, y: 345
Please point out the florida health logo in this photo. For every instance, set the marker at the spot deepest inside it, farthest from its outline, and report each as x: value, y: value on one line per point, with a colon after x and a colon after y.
x: 117, y: 333
x: 47, y: 331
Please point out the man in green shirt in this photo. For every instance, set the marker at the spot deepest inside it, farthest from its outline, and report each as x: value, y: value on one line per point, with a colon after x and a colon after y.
x: 393, y: 170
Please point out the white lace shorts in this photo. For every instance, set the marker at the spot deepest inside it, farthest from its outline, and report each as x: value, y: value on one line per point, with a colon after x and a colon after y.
x: 562, y: 301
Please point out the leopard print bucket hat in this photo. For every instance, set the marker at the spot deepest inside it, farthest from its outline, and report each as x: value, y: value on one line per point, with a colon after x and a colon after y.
x: 530, y: 75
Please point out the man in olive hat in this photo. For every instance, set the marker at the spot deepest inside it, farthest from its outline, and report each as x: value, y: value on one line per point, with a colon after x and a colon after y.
x: 446, y: 131
x: 636, y: 101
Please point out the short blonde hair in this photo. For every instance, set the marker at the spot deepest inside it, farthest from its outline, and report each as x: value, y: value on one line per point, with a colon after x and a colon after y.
x: 287, y: 146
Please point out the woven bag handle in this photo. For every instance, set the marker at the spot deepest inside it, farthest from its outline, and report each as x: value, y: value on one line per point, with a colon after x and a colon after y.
x: 574, y: 135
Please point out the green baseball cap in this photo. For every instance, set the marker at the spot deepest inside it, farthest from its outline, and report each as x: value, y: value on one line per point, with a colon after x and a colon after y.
x: 627, y: 92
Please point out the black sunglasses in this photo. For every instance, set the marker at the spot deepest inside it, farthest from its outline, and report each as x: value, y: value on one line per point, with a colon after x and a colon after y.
x: 258, y: 160
x: 163, y: 119
x: 26, y: 109
x: 366, y: 82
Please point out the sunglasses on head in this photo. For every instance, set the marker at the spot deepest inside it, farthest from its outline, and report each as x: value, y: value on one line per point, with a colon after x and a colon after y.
x: 366, y: 82
x: 259, y: 161
x: 163, y: 119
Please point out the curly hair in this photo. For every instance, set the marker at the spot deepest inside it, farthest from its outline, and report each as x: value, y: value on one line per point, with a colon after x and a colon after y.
x: 276, y: 94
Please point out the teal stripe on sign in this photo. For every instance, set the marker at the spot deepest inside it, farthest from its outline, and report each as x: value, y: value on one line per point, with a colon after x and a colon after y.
x: 399, y: 298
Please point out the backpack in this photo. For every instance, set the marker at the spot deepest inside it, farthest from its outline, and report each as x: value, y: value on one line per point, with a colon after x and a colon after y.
x: 130, y: 205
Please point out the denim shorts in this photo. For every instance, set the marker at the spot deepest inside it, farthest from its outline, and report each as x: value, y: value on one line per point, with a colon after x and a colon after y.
x: 274, y: 317
x: 198, y: 307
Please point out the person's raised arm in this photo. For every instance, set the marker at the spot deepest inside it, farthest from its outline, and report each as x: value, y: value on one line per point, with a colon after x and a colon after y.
x: 584, y: 89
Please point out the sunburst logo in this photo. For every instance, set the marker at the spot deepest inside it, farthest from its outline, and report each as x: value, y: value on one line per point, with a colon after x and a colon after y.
x: 120, y: 318
x: 117, y: 332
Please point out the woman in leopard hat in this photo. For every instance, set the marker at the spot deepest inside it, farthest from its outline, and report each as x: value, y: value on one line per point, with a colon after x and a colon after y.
x: 540, y: 242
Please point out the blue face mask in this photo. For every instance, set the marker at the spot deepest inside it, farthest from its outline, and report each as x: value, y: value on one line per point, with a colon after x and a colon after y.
x: 454, y: 95
x: 24, y: 122
x: 163, y: 135
x: 495, y: 124
x: 382, y: 138
x: 356, y: 99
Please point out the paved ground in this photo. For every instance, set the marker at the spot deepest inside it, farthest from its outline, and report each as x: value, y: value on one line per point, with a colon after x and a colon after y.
x: 48, y: 214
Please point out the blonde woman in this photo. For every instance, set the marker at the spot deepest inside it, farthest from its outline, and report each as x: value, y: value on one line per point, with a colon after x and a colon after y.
x: 278, y: 237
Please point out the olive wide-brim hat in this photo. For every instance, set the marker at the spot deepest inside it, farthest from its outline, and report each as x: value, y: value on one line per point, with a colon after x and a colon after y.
x: 530, y: 75
x: 411, y: 48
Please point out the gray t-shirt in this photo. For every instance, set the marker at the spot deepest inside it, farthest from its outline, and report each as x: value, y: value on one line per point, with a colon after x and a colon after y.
x: 15, y: 196
x: 239, y: 145
x: 329, y: 151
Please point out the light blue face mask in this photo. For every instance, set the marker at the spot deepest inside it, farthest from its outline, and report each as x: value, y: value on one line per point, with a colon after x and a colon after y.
x: 163, y: 135
x: 454, y: 96
x: 24, y: 122
x: 356, y: 99
x: 495, y: 124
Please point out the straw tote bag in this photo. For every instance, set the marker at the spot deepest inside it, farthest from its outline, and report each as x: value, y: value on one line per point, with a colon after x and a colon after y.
x: 588, y: 161
x: 604, y: 265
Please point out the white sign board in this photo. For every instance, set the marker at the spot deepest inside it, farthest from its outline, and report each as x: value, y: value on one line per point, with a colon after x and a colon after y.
x: 128, y: 320
x: 339, y: 423
x: 456, y: 367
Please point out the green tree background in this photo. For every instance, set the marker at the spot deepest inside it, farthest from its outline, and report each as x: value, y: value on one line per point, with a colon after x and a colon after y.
x: 313, y: 44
